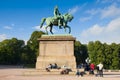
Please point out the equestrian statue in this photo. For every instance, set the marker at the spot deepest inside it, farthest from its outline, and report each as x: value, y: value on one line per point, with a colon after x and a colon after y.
x: 58, y: 20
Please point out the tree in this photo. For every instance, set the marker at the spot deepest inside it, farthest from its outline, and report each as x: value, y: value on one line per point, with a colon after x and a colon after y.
x: 108, y: 56
x: 115, y: 58
x: 99, y: 49
x: 80, y: 52
x: 96, y: 52
x: 10, y: 51
x: 32, y: 46
x: 91, y: 51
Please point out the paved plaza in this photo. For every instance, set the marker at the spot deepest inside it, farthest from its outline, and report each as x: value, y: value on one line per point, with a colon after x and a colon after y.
x: 17, y: 74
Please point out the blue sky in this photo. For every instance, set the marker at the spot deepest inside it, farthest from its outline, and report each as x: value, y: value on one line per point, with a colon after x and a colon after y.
x: 93, y: 19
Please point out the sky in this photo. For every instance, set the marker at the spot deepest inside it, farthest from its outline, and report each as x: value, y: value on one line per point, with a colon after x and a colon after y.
x: 93, y: 19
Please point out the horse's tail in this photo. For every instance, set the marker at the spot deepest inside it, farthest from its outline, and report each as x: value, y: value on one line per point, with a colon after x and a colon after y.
x: 42, y: 22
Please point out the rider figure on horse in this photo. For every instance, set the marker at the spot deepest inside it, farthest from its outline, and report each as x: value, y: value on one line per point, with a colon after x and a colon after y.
x: 58, y: 16
x: 58, y: 20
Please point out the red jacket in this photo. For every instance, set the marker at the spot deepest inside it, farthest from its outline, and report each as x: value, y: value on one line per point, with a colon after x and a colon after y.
x: 92, y: 66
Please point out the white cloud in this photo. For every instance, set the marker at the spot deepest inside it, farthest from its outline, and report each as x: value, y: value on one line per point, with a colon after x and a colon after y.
x: 73, y: 10
x: 85, y: 18
x: 110, y: 11
x: 8, y: 27
x: 93, y: 11
x: 36, y: 27
x: 109, y: 33
x: 114, y: 25
x: 107, y: 12
x: 2, y: 37
x: 94, y: 30
x: 76, y: 8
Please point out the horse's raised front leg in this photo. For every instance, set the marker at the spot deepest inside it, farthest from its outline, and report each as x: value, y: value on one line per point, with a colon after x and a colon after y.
x: 51, y: 29
x: 68, y: 28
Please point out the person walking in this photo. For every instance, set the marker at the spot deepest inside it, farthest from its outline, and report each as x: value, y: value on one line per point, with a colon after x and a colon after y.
x: 100, y: 69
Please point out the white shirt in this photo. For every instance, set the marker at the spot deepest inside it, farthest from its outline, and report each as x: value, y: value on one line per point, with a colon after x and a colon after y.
x: 100, y: 66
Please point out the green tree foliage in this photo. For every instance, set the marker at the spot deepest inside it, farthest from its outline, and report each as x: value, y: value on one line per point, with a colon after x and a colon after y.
x: 91, y: 51
x: 10, y: 51
x: 115, y: 56
x: 107, y: 54
x: 80, y: 52
x: 14, y: 51
x: 31, y: 49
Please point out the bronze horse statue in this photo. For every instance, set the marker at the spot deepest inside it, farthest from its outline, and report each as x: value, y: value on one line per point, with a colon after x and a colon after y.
x: 53, y: 21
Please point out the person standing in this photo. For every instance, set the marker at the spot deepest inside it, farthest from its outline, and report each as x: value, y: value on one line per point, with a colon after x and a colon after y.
x: 100, y: 69
x: 92, y: 67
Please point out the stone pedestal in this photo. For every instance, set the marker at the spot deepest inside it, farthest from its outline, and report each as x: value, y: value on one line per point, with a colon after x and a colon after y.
x: 56, y: 49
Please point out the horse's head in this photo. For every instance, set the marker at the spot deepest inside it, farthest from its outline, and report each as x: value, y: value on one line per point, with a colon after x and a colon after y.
x: 68, y: 17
